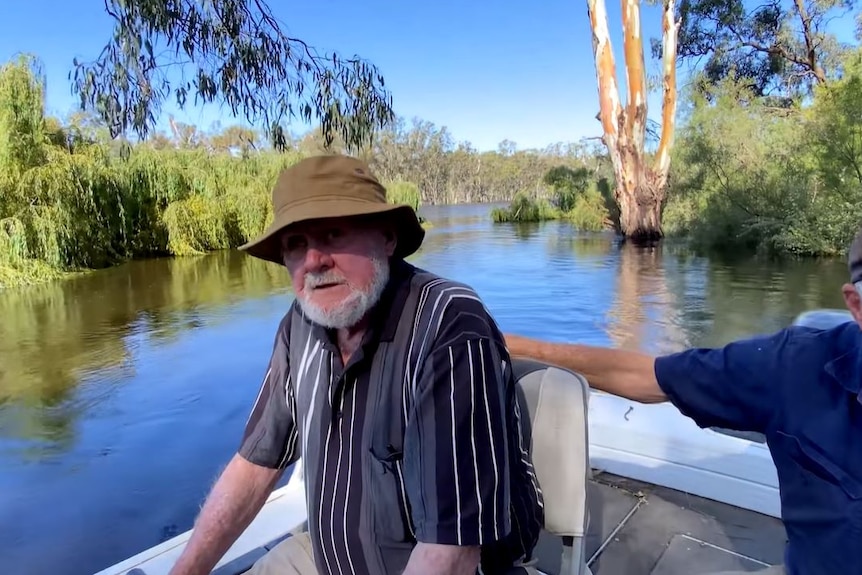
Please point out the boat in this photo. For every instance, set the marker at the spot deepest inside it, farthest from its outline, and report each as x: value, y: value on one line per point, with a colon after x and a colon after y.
x: 634, y: 489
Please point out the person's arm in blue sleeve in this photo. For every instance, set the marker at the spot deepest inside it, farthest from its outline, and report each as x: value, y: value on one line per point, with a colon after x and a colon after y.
x: 735, y: 386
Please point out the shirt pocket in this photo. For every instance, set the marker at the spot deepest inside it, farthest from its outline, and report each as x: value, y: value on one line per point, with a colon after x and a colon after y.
x: 814, y: 489
x: 392, y: 522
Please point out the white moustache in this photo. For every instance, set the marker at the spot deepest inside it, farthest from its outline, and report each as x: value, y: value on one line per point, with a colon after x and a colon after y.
x: 312, y: 281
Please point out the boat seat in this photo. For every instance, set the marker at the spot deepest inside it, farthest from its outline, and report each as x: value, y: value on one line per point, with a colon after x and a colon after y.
x: 557, y: 401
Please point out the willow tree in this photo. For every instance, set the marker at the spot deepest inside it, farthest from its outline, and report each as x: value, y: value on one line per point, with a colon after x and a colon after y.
x: 233, y: 52
x: 21, y: 118
x: 639, y: 184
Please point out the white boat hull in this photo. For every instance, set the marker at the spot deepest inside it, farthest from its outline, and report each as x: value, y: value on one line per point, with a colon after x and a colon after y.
x: 656, y: 444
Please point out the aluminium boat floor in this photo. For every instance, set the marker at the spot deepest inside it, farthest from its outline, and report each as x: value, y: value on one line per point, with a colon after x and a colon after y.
x: 642, y: 529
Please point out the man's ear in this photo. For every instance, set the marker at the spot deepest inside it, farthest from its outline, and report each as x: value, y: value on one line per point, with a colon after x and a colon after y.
x: 853, y: 301
x: 391, y: 240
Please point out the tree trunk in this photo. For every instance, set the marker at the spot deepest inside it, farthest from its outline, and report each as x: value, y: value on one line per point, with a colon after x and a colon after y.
x: 638, y: 188
x: 640, y: 204
x: 811, y: 42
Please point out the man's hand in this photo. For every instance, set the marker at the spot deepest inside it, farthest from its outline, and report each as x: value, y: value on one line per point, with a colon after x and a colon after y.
x: 433, y: 559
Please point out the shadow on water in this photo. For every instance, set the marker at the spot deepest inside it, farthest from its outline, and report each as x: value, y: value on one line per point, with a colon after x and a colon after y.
x: 123, y: 392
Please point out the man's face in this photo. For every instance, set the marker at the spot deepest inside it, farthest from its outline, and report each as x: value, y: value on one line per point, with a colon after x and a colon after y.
x: 339, y: 268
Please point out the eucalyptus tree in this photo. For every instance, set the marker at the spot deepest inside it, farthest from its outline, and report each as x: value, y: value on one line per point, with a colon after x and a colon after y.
x: 232, y: 52
x: 639, y: 182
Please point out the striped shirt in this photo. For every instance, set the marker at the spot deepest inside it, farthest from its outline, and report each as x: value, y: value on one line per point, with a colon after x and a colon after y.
x: 420, y: 437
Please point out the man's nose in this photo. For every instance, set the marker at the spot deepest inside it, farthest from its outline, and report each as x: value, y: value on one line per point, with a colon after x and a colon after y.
x: 317, y: 259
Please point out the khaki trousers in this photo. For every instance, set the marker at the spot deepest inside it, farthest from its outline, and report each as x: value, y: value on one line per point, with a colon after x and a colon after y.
x: 293, y: 556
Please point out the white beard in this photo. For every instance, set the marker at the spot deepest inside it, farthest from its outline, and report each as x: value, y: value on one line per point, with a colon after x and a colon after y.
x: 354, y: 307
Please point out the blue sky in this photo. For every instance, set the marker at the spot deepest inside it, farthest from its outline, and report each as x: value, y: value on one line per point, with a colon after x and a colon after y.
x: 488, y: 71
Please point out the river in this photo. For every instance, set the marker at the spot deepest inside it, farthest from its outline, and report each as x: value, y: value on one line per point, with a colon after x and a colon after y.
x: 123, y: 392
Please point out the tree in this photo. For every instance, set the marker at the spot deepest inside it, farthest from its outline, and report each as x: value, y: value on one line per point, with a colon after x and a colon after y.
x: 639, y: 188
x: 22, y: 112
x: 239, y: 56
x: 835, y: 131
x: 782, y: 46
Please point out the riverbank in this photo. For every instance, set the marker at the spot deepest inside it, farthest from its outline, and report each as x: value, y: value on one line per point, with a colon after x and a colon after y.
x: 90, y: 204
x: 745, y: 178
x: 72, y: 199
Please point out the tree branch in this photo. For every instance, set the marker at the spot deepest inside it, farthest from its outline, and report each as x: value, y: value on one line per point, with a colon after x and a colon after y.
x: 241, y: 57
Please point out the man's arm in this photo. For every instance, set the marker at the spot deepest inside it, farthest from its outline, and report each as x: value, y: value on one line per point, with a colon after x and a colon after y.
x: 269, y: 445
x: 234, y: 501
x: 456, y: 451
x: 738, y: 386
x: 627, y: 374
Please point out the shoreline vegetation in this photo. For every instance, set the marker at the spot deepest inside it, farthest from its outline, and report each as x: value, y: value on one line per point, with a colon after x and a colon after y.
x: 751, y: 174
x: 748, y: 176
x: 573, y: 195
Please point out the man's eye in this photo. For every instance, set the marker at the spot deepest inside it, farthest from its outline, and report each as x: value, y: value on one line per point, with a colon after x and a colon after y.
x: 294, y: 243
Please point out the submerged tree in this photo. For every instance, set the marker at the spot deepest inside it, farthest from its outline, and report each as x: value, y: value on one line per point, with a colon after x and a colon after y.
x: 639, y: 188
x: 239, y: 56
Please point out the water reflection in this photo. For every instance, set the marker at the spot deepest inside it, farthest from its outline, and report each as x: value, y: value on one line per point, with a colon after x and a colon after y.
x: 54, y: 336
x: 584, y: 245
x: 644, y: 313
x: 722, y: 300
x: 123, y: 392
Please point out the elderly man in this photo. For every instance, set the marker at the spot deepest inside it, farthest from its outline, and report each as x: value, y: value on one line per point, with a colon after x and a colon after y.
x: 395, y: 388
x: 800, y: 387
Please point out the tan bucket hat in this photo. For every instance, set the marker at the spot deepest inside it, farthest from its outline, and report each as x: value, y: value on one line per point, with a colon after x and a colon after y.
x: 332, y: 186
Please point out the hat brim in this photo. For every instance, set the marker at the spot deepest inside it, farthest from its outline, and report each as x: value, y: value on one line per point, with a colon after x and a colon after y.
x: 409, y: 230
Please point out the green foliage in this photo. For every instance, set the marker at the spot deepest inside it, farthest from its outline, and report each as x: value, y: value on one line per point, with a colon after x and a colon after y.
x: 237, y: 54
x: 750, y: 176
x: 403, y: 193
x: 526, y: 209
x: 21, y: 116
x: 747, y: 175
x: 568, y: 184
x: 87, y: 209
x: 69, y: 201
x: 589, y: 211
x: 449, y: 172
x: 574, y: 197
x: 79, y: 200
x: 781, y: 47
x: 836, y: 128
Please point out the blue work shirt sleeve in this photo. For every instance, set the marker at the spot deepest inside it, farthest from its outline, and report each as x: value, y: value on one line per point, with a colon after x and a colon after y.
x: 737, y: 386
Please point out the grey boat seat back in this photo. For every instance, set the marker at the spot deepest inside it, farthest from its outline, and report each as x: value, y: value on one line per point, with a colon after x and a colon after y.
x: 557, y: 401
